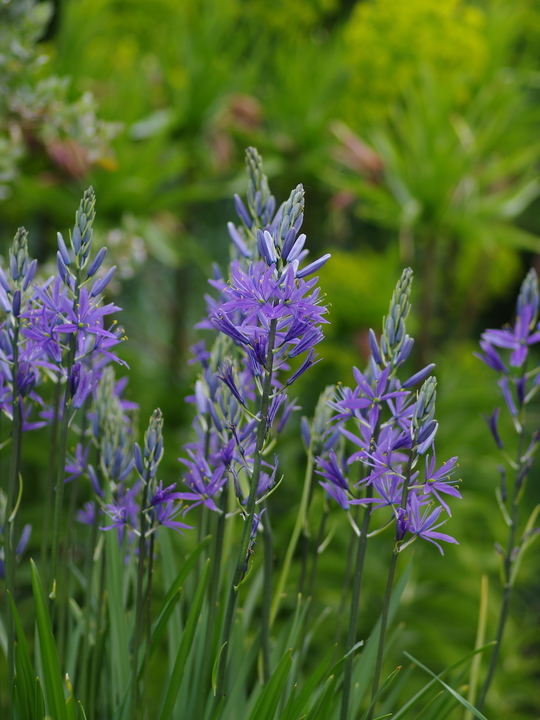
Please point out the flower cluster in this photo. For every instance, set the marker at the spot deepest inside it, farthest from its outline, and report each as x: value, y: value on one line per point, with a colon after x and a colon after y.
x: 518, y: 386
x: 269, y: 311
x: 392, y: 427
x: 55, y: 328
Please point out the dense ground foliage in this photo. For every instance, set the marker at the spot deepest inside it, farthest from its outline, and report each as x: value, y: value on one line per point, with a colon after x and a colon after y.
x: 414, y: 130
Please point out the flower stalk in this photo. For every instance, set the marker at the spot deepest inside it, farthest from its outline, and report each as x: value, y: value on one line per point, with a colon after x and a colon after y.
x: 242, y: 559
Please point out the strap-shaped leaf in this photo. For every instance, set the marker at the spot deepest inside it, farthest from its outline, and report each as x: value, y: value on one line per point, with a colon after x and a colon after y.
x: 185, y: 646
x: 52, y: 678
x: 269, y: 698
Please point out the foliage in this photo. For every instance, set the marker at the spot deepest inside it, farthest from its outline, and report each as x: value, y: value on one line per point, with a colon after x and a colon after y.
x: 389, y: 43
x: 192, y: 84
x: 36, y: 114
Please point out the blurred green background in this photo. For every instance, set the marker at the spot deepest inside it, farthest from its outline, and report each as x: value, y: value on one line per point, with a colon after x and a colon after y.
x: 414, y: 127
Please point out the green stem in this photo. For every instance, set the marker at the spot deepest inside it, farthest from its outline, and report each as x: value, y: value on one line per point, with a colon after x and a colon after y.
x: 507, y: 570
x: 347, y: 580
x: 139, y: 608
x: 213, y: 603
x: 267, y: 595
x: 388, y: 592
x: 59, y: 493
x: 355, y: 605
x: 315, y: 561
x: 88, y: 611
x: 9, y: 521
x: 148, y: 612
x: 248, y: 521
x: 100, y: 628
x: 299, y: 524
x: 314, y: 564
x: 49, y: 488
x: 62, y: 452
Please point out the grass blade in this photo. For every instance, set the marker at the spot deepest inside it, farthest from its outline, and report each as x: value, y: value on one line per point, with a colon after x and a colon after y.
x: 449, y: 689
x: 54, y: 691
x: 421, y: 693
x: 268, y: 700
x: 185, y: 646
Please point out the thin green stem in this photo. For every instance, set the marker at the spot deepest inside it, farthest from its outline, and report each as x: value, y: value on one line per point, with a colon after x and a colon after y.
x: 59, y: 494
x: 49, y: 487
x: 314, y: 564
x: 347, y: 580
x: 355, y: 605
x: 139, y: 608
x: 299, y: 524
x: 388, y: 592
x: 62, y: 452
x: 213, y: 601
x: 267, y: 595
x: 9, y: 521
x: 248, y: 521
x: 315, y: 559
x: 100, y: 623
x: 507, y: 569
x: 88, y: 610
x: 148, y: 612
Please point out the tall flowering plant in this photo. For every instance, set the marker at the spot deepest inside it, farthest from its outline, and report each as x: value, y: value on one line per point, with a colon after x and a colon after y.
x: 391, y: 429
x: 270, y: 312
x: 508, y: 353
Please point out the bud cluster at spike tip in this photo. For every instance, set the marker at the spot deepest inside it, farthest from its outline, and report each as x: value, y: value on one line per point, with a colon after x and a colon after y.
x: 395, y: 345
x: 264, y: 235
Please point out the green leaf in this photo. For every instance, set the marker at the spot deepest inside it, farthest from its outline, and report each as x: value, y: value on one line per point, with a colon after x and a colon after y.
x: 23, y: 665
x: 383, y: 687
x: 421, y: 693
x: 309, y: 687
x: 54, y: 691
x: 322, y: 709
x: 528, y: 537
x: 449, y: 689
x: 269, y: 698
x: 185, y: 646
x: 119, y: 630
x: 215, y: 668
x: 160, y: 623
x: 39, y: 700
x: 363, y: 671
x: 71, y: 707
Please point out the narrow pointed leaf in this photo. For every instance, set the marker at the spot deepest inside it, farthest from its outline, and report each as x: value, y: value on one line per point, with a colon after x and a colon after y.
x: 266, y: 706
x: 308, y: 688
x: 185, y: 646
x: 54, y: 690
x: 449, y: 689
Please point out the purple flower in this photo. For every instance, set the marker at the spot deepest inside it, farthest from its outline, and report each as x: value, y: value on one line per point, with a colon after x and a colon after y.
x: 491, y: 358
x: 440, y: 480
x: 86, y: 318
x: 504, y: 384
x: 422, y: 522
x: 164, y: 495
x: 166, y: 513
x: 88, y: 514
x: 339, y: 495
x: 331, y: 470
x: 226, y: 375
x: 492, y: 422
x: 77, y: 464
x: 518, y: 339
x: 204, y: 484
